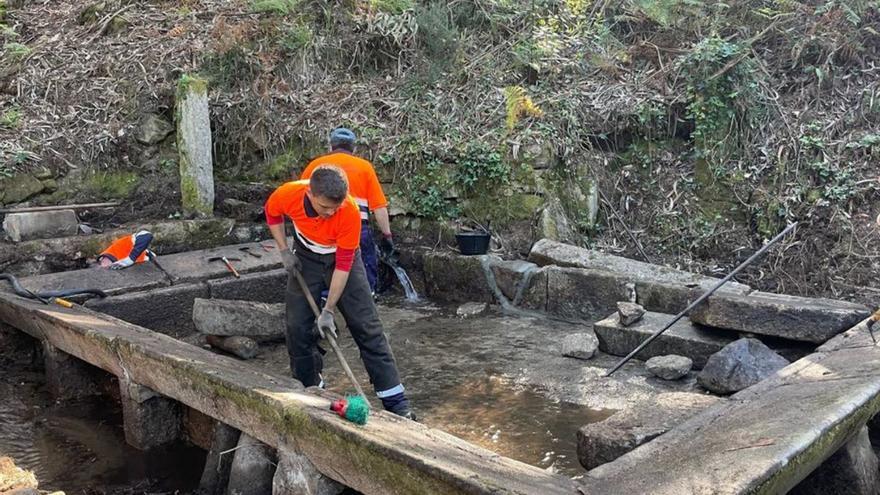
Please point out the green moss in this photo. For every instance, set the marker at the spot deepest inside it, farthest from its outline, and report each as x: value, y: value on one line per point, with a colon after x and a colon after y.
x: 503, y: 210
x: 291, y: 422
x: 191, y: 84
x: 801, y: 464
x: 293, y: 160
x: 189, y: 193
x: 110, y: 185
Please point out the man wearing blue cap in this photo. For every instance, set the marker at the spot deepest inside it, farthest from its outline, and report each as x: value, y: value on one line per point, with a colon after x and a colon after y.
x: 364, y: 186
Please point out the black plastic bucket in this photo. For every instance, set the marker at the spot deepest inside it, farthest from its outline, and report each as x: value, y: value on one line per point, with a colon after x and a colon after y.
x: 473, y: 242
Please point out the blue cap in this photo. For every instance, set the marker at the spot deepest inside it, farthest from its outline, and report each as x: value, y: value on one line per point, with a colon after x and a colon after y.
x: 341, y: 135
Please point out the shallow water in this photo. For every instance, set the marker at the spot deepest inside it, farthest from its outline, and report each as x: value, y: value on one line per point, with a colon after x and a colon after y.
x: 79, y: 446
x: 460, y: 375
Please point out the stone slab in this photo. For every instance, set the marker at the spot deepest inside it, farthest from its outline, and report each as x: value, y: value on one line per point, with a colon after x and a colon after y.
x: 66, y: 253
x: 766, y: 438
x: 231, y: 317
x: 190, y: 266
x: 296, y: 475
x: 454, y: 277
x: 581, y: 294
x: 658, y: 288
x: 534, y: 291
x: 510, y: 274
x: 685, y: 338
x: 598, y: 443
x: 40, y: 224
x: 267, y: 287
x: 253, y: 468
x: 791, y: 317
x: 215, y: 475
x: 166, y: 309
x: 194, y: 147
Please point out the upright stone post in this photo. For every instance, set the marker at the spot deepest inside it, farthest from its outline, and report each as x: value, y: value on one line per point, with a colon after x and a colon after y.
x: 252, y: 468
x: 194, y: 147
x: 68, y: 377
x: 218, y: 464
x: 150, y: 419
x: 296, y: 475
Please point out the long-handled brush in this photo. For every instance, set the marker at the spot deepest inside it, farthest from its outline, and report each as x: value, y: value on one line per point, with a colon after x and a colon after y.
x: 354, y: 408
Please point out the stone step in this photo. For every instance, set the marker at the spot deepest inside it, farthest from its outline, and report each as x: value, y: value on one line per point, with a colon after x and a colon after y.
x: 791, y: 317
x: 598, y: 443
x: 685, y: 338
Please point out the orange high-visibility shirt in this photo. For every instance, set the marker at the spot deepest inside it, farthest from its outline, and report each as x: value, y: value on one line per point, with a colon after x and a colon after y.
x: 122, y: 247
x: 320, y: 235
x: 363, y: 183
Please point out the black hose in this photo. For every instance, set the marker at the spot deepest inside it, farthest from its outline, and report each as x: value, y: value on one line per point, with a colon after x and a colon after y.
x: 21, y: 291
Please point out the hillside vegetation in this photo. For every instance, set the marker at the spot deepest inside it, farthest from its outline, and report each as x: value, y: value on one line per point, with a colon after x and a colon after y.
x: 684, y: 131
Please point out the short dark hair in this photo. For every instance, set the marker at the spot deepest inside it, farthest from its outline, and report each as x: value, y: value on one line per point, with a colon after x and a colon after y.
x: 329, y: 181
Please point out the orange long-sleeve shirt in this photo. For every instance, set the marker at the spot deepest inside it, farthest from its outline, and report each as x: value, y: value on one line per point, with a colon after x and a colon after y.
x: 340, y: 233
x: 363, y: 183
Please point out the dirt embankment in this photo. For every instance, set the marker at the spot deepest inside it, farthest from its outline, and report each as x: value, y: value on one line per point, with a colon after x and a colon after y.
x: 699, y: 129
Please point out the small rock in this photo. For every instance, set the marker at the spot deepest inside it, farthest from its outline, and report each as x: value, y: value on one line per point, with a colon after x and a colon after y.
x: 13, y: 477
x: 49, y: 185
x: 471, y: 309
x: 629, y: 312
x: 152, y: 129
x: 580, y: 345
x: 739, y: 365
x: 670, y: 367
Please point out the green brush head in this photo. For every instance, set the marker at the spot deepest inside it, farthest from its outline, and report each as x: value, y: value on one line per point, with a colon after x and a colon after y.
x: 358, y: 409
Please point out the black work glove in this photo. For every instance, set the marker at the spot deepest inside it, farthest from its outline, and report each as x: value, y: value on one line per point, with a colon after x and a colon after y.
x: 386, y: 247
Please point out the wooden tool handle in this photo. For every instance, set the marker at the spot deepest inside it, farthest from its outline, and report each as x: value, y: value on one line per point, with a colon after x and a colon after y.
x: 231, y: 268
x: 329, y: 335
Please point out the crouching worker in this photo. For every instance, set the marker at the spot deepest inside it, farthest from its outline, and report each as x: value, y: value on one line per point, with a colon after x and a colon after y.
x: 327, y: 230
x: 126, y: 251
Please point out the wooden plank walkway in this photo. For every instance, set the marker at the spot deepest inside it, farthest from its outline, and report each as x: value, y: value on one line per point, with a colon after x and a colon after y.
x: 765, y: 439
x: 388, y: 455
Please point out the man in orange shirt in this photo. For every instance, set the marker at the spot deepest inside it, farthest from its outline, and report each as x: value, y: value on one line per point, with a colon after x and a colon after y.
x: 126, y: 251
x: 364, y: 186
x: 327, y: 226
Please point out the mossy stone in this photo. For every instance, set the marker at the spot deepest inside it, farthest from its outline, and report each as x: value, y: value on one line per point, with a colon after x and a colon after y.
x: 19, y: 187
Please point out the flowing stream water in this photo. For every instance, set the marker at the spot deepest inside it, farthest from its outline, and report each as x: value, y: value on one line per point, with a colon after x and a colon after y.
x: 79, y: 446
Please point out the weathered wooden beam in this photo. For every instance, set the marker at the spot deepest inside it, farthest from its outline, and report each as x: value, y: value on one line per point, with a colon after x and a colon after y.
x: 766, y: 438
x: 389, y: 455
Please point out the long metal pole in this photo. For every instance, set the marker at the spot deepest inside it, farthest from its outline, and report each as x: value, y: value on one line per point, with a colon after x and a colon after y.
x: 701, y: 298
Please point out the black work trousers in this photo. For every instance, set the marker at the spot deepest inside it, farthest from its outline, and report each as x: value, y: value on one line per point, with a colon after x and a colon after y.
x: 357, y: 307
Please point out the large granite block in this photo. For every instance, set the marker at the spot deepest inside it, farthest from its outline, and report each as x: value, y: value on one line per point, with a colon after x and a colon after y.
x: 791, y: 317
